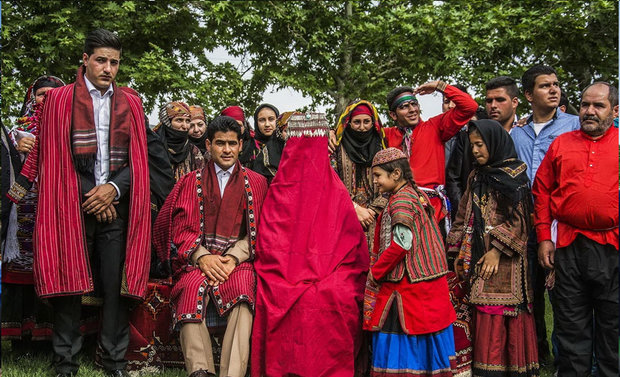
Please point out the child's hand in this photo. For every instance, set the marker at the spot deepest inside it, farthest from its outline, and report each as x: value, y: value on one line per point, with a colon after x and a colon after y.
x: 490, y: 264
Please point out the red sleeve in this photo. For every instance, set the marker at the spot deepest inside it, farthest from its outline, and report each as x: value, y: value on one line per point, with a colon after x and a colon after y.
x: 451, y: 122
x: 389, y: 258
x: 393, y: 137
x: 178, y: 222
x: 544, y: 184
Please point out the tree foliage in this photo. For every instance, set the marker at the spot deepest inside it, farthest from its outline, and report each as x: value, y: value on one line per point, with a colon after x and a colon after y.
x: 163, y: 56
x: 338, y: 51
x: 331, y: 51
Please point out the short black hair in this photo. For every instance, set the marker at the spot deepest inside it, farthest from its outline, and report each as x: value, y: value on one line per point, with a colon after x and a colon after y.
x: 529, y: 77
x: 101, y: 38
x: 505, y: 82
x: 563, y: 100
x: 391, y: 96
x: 612, y: 97
x: 223, y: 124
x: 481, y: 113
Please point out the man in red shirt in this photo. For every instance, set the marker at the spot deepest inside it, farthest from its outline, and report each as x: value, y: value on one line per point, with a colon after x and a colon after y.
x: 423, y: 141
x: 577, y: 185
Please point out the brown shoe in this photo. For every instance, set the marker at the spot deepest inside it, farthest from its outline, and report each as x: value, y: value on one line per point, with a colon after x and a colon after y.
x: 201, y: 373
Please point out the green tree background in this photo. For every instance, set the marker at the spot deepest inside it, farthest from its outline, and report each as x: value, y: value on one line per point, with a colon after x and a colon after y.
x: 331, y: 51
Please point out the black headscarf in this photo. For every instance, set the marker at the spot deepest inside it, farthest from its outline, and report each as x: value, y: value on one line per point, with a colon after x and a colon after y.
x: 258, y: 135
x: 248, y: 149
x: 361, y: 147
x: 200, y: 142
x: 271, y: 147
x: 45, y: 81
x: 503, y: 173
x: 176, y: 142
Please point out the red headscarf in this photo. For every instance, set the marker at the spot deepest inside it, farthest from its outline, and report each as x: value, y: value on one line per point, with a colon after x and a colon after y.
x: 234, y: 112
x: 362, y: 109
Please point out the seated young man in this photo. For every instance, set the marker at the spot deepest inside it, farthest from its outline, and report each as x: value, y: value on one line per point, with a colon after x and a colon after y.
x: 207, y: 230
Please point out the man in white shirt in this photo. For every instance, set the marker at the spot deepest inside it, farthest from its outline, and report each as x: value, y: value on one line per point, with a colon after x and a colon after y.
x: 93, y: 218
x: 210, y: 218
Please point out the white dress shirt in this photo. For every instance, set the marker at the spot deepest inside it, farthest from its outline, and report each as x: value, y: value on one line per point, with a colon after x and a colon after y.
x: 222, y: 177
x: 101, y: 112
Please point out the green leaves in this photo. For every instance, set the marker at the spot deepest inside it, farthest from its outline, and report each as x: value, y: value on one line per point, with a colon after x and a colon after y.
x: 331, y: 51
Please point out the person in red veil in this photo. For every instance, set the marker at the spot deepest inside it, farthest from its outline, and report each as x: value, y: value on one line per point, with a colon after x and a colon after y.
x: 311, y: 264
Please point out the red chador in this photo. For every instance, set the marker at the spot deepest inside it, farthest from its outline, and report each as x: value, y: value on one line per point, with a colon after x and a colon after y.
x: 426, y: 145
x: 61, y: 266
x: 311, y: 265
x: 189, y: 218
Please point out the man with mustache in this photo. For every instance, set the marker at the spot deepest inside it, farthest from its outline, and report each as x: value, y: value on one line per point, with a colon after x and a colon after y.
x: 93, y: 224
x: 542, y: 90
x: 577, y: 185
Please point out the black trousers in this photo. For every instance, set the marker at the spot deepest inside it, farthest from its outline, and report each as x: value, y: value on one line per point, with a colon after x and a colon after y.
x: 106, y: 249
x: 586, y: 290
x: 537, y: 280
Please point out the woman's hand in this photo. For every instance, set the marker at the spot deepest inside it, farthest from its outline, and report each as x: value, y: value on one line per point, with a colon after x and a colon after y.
x: 365, y: 216
x: 490, y: 264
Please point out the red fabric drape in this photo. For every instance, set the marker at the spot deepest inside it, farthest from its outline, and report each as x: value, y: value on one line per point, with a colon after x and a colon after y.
x: 61, y: 265
x: 311, y: 264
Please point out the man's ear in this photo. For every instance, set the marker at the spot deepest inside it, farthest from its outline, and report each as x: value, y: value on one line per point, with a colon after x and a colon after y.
x: 528, y: 96
x: 616, y: 111
x: 208, y: 144
x: 393, y: 115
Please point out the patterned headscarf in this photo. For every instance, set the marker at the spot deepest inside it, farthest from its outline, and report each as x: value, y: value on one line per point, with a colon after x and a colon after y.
x: 30, y: 100
x: 196, y: 112
x: 171, y: 110
x: 176, y: 141
x: 347, y: 114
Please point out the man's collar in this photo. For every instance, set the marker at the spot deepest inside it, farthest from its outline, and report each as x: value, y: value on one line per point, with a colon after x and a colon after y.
x: 91, y: 87
x: 218, y: 169
x: 530, y: 119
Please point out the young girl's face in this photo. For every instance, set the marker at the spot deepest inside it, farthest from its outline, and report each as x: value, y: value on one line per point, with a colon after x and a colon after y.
x: 478, y: 148
x: 386, y: 182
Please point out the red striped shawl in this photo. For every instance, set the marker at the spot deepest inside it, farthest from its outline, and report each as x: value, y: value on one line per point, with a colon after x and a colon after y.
x: 61, y: 265
x: 179, y: 224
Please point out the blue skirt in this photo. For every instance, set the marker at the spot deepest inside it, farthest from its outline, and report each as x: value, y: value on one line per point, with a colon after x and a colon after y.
x: 397, y: 354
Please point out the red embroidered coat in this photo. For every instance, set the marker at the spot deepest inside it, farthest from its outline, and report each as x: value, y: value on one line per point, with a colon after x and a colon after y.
x: 61, y: 266
x: 178, y: 232
x: 415, y: 278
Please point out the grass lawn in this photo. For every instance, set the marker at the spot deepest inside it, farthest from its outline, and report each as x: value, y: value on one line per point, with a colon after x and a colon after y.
x: 14, y: 365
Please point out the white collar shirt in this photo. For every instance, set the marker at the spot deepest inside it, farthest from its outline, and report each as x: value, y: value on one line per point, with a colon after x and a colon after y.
x: 222, y: 177
x: 101, y: 113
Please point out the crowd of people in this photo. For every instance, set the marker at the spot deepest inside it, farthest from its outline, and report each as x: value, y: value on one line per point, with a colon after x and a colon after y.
x: 293, y: 248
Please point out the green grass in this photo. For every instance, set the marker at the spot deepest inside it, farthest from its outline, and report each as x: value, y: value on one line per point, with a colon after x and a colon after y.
x: 40, y: 365
x: 14, y: 365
